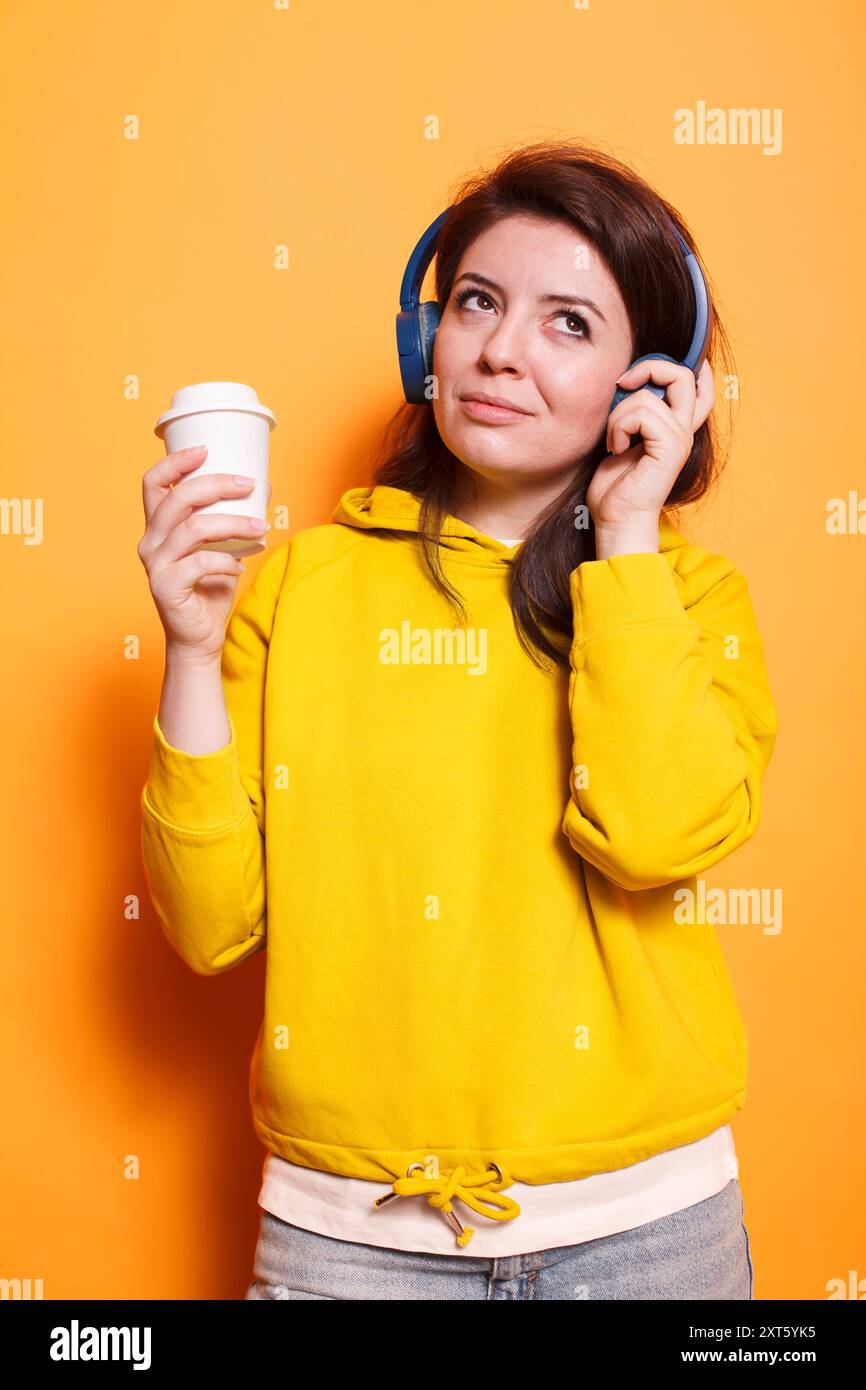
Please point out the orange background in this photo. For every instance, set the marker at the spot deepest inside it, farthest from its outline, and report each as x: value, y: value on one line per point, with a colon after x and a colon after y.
x: 151, y: 261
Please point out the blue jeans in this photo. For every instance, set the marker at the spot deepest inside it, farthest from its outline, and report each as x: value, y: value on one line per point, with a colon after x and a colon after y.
x: 701, y: 1252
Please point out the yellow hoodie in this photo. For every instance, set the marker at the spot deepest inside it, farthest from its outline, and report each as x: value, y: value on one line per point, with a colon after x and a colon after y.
x: 469, y: 872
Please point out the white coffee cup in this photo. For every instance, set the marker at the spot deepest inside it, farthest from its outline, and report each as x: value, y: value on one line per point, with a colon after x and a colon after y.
x: 230, y: 419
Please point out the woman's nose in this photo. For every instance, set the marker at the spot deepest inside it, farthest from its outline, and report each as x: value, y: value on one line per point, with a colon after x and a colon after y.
x: 504, y: 348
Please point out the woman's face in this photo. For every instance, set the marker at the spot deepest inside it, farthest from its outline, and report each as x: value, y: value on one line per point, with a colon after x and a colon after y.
x: 536, y: 318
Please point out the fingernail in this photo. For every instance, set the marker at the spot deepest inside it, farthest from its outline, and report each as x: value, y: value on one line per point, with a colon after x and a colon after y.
x: 243, y: 482
x: 256, y: 524
x: 195, y: 449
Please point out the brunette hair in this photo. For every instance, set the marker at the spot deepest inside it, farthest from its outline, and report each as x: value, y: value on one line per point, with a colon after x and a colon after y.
x: 630, y: 225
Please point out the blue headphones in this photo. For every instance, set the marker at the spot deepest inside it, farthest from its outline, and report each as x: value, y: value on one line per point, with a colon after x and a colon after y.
x: 417, y: 323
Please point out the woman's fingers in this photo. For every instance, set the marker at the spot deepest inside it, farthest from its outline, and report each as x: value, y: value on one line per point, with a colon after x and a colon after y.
x: 678, y: 381
x: 184, y: 538
x: 188, y: 571
x: 157, y: 481
x: 623, y: 421
x: 181, y: 501
x: 175, y: 528
x: 688, y: 399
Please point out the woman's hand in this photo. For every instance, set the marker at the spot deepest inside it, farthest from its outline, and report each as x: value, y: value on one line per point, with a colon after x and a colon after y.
x: 193, y: 589
x: 630, y: 487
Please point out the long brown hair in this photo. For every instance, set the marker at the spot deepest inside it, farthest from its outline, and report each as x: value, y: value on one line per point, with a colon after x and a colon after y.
x: 629, y: 224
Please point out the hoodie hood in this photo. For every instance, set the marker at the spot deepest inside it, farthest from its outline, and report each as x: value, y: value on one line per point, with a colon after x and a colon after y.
x: 395, y: 509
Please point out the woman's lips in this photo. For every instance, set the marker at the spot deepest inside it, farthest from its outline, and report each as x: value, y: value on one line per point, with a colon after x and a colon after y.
x: 492, y: 414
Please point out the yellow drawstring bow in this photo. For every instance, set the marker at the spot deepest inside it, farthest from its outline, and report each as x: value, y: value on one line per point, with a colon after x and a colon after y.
x: 459, y: 1183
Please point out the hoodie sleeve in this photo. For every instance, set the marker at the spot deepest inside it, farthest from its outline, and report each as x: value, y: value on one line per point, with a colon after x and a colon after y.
x: 672, y: 717
x: 203, y: 815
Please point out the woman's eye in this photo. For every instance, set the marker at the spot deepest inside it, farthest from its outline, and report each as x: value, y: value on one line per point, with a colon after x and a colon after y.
x: 578, y: 319
x: 464, y: 295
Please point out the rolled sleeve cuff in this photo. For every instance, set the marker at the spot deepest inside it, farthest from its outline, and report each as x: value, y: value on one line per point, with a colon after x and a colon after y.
x: 195, y: 791
x: 621, y: 591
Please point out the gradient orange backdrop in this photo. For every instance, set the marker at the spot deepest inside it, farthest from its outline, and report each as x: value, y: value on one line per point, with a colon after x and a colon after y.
x: 132, y: 267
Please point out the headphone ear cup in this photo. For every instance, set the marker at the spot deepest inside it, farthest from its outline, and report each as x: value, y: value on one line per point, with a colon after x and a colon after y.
x: 428, y: 322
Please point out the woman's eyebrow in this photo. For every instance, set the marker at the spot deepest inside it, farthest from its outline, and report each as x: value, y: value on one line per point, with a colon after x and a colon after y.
x: 543, y: 299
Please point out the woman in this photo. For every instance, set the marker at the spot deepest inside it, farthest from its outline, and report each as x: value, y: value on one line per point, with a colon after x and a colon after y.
x: 458, y: 761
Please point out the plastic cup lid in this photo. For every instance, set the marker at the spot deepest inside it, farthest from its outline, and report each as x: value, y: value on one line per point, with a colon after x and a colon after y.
x: 213, y: 395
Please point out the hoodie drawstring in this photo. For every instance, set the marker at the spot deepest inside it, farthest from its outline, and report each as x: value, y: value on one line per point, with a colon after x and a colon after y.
x: 461, y: 1183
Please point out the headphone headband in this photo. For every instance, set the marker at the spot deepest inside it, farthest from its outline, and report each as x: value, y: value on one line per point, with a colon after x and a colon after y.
x: 700, y: 338
x: 416, y: 266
